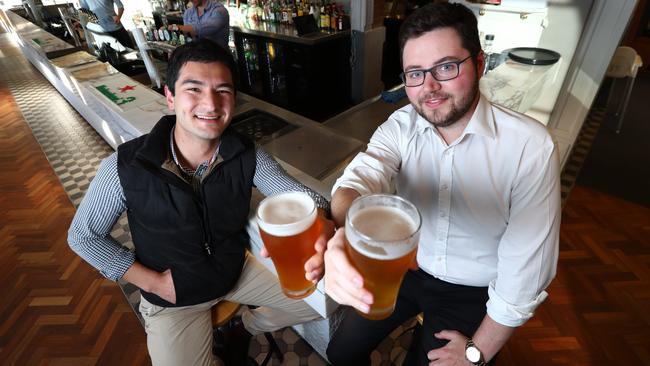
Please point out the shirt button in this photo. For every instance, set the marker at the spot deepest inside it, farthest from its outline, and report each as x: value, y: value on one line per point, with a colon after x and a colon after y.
x: 439, y: 259
x: 442, y: 214
x: 444, y: 187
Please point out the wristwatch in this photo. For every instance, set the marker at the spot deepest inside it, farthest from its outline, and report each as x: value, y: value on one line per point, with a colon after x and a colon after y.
x: 473, y: 354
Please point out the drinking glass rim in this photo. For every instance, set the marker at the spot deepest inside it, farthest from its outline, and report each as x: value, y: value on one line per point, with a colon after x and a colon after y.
x: 392, y: 196
x: 310, y: 216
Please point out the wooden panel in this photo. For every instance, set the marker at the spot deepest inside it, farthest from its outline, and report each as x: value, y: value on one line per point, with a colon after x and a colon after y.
x: 54, y: 310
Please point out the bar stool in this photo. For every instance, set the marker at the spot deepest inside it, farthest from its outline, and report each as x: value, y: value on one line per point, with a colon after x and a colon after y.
x: 625, y: 64
x: 225, y: 310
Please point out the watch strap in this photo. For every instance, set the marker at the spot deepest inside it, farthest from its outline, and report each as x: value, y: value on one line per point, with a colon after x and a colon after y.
x: 481, y: 361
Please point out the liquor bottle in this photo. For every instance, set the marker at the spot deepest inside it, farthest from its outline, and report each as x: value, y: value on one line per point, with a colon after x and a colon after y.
x: 324, y: 18
x: 260, y: 11
x: 316, y: 13
x: 181, y: 38
x: 283, y: 13
x: 287, y: 13
x: 267, y: 12
x: 490, y: 57
x: 277, y: 11
x: 333, y: 18
x: 299, y: 11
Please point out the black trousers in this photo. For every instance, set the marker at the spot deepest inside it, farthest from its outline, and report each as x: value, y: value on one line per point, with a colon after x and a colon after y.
x: 123, y: 37
x: 445, y: 306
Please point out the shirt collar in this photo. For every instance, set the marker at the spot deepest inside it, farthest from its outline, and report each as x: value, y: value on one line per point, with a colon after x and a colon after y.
x: 481, y: 123
x: 201, y: 169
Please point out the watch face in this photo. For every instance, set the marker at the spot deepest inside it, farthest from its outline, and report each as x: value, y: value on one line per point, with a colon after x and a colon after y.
x: 473, y: 354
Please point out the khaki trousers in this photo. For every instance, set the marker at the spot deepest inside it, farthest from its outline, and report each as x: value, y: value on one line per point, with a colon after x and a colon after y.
x: 182, y: 336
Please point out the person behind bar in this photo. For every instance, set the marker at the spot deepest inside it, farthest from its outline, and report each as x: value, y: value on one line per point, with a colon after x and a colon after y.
x: 486, y: 182
x: 108, y: 19
x: 186, y: 188
x: 206, y: 19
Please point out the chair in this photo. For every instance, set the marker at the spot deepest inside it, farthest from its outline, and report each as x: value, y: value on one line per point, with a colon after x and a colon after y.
x: 625, y: 64
x: 225, y: 310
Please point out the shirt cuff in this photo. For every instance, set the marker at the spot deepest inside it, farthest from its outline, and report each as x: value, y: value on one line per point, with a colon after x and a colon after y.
x: 508, y: 314
x: 120, y: 263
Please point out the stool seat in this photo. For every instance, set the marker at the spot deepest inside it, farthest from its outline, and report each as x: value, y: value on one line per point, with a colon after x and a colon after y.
x: 223, y: 311
x: 624, y: 65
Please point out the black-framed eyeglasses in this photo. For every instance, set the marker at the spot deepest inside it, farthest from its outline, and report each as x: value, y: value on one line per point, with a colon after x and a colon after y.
x: 441, y: 72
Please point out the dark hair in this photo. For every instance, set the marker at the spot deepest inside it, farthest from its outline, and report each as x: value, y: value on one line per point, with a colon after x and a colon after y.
x: 201, y: 50
x: 442, y: 15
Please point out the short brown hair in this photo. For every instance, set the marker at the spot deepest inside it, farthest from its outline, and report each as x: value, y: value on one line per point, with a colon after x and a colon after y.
x: 441, y: 15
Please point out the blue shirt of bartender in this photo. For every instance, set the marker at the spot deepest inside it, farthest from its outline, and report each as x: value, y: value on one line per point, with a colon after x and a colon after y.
x: 105, y: 11
x: 213, y: 23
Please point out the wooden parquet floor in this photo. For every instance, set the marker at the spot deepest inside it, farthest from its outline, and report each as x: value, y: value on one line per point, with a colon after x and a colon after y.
x: 598, y: 309
x: 54, y: 309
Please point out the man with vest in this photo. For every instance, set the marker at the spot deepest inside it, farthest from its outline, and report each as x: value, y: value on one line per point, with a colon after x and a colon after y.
x: 186, y: 188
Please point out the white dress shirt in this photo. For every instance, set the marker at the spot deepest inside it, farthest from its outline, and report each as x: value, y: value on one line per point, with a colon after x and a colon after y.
x: 490, y: 201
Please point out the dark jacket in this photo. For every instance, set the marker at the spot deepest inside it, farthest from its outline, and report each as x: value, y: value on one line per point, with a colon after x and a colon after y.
x: 200, y: 236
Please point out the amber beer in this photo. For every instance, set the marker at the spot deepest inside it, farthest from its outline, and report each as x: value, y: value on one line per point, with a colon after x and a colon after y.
x: 289, y: 228
x: 382, y: 234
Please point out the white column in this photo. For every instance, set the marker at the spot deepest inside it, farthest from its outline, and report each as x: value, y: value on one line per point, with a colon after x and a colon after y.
x: 367, y: 48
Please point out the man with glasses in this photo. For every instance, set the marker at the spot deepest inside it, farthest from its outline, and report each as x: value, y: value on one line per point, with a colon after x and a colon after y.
x: 486, y: 182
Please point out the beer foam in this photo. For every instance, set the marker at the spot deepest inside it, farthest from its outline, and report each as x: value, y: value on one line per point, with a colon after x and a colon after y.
x: 286, y: 214
x: 389, y: 227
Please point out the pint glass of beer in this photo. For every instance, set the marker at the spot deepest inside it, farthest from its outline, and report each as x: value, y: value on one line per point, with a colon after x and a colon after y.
x: 382, y: 234
x: 289, y: 228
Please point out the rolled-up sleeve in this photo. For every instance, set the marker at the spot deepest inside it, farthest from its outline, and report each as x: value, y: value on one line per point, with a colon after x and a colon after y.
x: 372, y: 171
x: 89, y: 233
x: 528, y: 250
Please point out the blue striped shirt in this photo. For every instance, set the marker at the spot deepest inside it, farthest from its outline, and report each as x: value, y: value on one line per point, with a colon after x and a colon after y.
x: 89, y: 234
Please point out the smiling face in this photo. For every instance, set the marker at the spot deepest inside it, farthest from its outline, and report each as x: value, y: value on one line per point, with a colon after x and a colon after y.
x: 204, y: 102
x: 442, y: 103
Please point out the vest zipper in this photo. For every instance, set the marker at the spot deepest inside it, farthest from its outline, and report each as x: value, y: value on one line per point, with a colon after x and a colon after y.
x: 205, y: 222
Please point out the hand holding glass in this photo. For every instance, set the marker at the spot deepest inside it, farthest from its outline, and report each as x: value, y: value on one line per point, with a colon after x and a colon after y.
x: 382, y: 233
x: 289, y: 228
